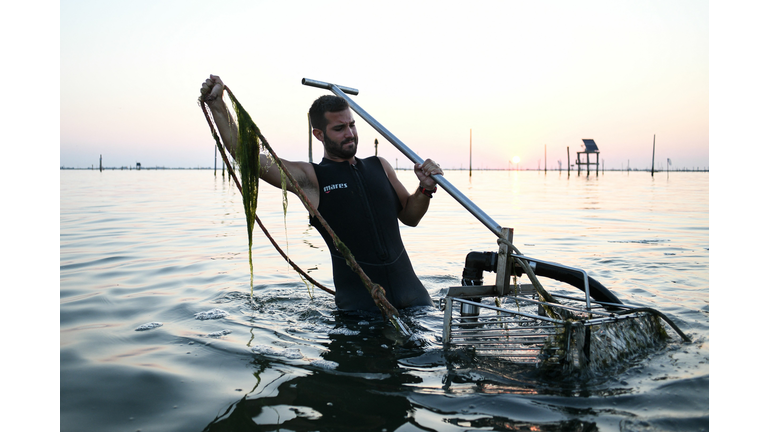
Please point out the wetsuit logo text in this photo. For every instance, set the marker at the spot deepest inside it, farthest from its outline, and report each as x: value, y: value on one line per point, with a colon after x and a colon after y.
x: 329, y: 188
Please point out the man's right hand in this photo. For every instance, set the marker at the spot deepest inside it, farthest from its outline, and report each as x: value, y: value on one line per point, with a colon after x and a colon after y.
x: 211, y: 93
x: 212, y: 90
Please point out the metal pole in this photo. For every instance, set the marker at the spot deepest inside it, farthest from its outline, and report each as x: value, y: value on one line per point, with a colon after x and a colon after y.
x: 309, y: 125
x: 410, y: 154
x: 583, y: 273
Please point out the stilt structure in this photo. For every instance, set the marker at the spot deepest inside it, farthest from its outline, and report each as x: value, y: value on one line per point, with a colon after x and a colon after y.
x: 589, y: 147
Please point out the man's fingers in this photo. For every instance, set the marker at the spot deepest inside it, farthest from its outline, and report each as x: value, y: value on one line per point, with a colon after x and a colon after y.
x: 216, y: 91
x: 430, y: 167
x: 212, y: 88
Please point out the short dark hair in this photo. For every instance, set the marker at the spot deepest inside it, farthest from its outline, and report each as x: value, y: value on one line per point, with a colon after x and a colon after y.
x: 322, y: 105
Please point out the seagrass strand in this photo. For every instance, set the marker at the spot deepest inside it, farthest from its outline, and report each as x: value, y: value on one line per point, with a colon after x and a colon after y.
x: 231, y: 172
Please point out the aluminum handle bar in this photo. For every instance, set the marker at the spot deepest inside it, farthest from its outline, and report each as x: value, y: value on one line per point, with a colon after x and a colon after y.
x: 327, y: 86
x: 410, y: 154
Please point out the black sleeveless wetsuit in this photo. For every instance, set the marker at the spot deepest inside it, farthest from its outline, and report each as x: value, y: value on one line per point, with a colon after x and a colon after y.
x: 361, y: 206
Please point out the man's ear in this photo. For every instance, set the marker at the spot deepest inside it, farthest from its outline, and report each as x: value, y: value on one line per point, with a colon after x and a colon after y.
x: 318, y: 134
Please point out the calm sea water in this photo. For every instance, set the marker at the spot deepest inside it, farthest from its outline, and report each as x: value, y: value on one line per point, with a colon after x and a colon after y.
x: 140, y: 248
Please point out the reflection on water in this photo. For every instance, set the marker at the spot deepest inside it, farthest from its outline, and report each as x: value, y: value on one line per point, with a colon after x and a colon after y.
x: 142, y: 247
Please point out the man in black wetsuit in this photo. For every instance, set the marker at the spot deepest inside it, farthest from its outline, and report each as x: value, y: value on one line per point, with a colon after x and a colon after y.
x: 361, y: 199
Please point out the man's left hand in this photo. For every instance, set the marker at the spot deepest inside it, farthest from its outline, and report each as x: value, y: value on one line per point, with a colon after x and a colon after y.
x: 425, y: 171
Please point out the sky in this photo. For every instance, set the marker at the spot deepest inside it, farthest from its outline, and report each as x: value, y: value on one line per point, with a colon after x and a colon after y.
x: 525, y: 79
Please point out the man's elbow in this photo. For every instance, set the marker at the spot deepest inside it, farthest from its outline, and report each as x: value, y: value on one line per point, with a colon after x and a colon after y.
x: 410, y: 220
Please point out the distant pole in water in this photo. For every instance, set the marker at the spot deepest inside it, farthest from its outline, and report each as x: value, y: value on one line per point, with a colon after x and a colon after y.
x: 100, y: 168
x: 545, y: 158
x: 215, y: 150
x: 597, y: 164
x: 653, y: 157
x: 470, y: 152
x: 376, y: 147
x: 309, y: 123
x: 568, y: 150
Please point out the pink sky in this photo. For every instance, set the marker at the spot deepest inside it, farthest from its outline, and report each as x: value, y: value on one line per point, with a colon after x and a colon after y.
x: 521, y: 76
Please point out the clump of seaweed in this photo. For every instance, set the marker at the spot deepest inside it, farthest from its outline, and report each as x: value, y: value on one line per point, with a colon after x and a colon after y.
x: 251, y: 216
x: 596, y: 348
x: 248, y: 158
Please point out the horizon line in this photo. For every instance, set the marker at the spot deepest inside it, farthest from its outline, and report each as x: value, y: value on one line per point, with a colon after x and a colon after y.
x: 157, y: 168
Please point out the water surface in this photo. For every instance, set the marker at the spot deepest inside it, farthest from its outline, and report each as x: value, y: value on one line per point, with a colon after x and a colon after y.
x: 170, y: 248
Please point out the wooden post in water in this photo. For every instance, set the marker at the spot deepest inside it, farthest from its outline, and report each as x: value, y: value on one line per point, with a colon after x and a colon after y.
x: 470, y: 152
x: 100, y: 168
x: 587, y: 164
x: 309, y: 123
x: 653, y: 157
x: 545, y: 158
x: 568, y: 151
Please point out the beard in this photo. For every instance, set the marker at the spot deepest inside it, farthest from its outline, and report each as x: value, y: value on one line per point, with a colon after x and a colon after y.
x: 337, y: 149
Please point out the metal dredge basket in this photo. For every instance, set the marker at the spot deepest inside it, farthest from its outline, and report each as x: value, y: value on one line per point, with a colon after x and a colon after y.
x: 510, y: 322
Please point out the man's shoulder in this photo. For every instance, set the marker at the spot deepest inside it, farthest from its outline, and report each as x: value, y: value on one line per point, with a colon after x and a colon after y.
x: 298, y: 166
x: 302, y: 172
x: 376, y: 161
x: 385, y: 165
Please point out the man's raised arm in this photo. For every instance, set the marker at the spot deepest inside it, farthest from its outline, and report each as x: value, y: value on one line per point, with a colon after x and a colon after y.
x: 211, y: 92
x: 415, y: 205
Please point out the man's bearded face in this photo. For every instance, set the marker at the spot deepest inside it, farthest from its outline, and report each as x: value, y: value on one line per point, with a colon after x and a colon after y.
x: 341, y: 149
